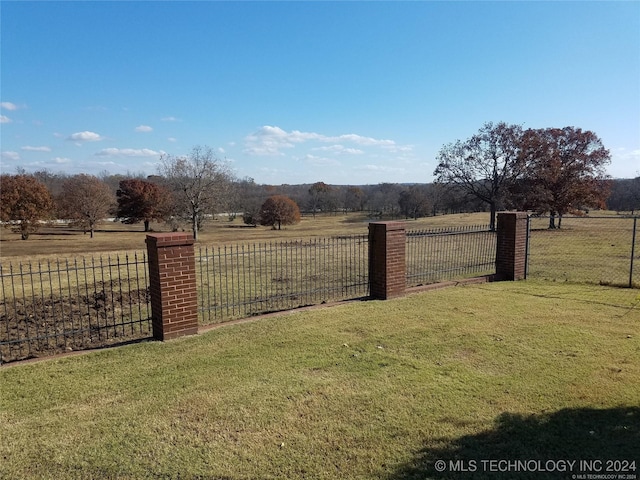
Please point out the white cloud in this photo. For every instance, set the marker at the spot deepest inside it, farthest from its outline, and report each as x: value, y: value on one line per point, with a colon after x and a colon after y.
x: 129, y: 152
x: 9, y: 106
x: 320, y: 161
x: 170, y: 119
x: 85, y: 136
x: 35, y: 149
x: 143, y: 128
x: 13, y: 156
x: 271, y: 140
x: 172, y: 139
x: 5, y: 119
x: 380, y: 168
x: 61, y: 160
x: 340, y: 149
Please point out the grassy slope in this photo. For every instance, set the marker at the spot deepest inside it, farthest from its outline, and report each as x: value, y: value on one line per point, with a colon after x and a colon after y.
x: 365, y: 390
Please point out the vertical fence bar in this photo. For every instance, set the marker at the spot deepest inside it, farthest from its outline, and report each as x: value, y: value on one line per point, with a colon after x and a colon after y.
x: 633, y: 250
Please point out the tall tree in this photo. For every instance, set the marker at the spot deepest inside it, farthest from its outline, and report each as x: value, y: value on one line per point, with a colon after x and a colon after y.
x: 566, y: 171
x: 485, y: 165
x: 86, y: 200
x: 200, y: 183
x: 414, y: 202
x: 354, y: 199
x: 318, y: 197
x: 24, y: 203
x: 279, y: 210
x: 142, y: 201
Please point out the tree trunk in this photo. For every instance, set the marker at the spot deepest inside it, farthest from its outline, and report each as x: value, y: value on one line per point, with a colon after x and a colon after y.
x: 552, y: 220
x: 559, y: 220
x: 91, y: 232
x: 492, y: 220
x: 194, y: 227
x: 146, y: 225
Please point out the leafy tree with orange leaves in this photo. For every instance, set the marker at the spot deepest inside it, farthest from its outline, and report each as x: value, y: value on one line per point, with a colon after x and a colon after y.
x: 142, y: 201
x: 279, y: 210
x: 565, y: 171
x: 24, y: 203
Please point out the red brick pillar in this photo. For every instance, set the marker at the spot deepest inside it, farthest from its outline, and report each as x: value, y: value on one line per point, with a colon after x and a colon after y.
x: 172, y: 278
x: 511, y: 249
x: 387, y: 264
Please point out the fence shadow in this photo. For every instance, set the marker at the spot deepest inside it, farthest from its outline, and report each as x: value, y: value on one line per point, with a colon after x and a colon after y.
x: 568, y: 434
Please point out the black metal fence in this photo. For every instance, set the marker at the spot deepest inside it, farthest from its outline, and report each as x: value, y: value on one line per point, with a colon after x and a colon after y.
x: 244, y: 280
x: 49, y: 307
x: 440, y: 254
x: 603, y: 250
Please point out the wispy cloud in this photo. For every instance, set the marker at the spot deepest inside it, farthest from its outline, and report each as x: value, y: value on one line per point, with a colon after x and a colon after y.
x: 85, y: 136
x: 170, y: 119
x: 5, y: 119
x: 271, y: 140
x: 9, y: 106
x: 28, y: 148
x: 340, y: 149
x: 143, y: 128
x: 12, y: 156
x: 61, y: 160
x: 129, y: 152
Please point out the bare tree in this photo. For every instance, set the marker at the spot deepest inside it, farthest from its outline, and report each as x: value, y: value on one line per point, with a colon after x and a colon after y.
x: 200, y: 182
x: 485, y: 165
x: 86, y: 200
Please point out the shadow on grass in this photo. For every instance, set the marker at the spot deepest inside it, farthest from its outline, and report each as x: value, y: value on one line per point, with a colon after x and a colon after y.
x: 567, y: 435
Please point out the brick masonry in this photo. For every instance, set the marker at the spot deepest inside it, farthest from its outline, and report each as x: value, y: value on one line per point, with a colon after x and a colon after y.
x: 511, y: 248
x: 387, y: 264
x: 172, y: 280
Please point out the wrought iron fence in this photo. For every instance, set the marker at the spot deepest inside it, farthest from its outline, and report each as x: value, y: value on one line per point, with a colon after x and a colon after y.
x: 48, y: 307
x: 441, y: 254
x: 244, y: 280
x: 603, y: 250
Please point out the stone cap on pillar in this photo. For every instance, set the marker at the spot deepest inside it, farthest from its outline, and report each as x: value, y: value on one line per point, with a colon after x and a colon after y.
x: 169, y: 239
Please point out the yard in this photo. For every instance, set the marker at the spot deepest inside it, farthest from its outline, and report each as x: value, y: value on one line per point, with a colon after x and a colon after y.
x: 505, y: 371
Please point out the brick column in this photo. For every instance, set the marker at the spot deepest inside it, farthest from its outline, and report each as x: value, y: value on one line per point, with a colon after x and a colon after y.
x: 511, y: 249
x: 172, y: 278
x: 387, y: 264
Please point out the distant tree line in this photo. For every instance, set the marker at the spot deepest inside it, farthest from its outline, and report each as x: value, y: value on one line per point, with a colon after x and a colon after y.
x: 553, y: 171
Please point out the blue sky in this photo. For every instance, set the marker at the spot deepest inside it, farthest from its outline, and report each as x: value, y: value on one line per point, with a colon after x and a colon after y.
x: 299, y: 92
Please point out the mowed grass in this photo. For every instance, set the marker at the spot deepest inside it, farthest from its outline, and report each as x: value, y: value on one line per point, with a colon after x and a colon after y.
x: 364, y: 390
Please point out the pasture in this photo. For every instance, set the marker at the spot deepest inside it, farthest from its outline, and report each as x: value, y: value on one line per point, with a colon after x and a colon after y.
x: 111, y: 236
x: 367, y: 390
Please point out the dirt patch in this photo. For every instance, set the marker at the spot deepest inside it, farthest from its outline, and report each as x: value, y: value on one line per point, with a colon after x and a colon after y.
x: 104, y: 315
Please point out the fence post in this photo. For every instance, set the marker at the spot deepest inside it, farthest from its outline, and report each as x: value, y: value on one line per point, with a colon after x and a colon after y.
x: 387, y: 263
x: 172, y: 280
x: 511, y: 246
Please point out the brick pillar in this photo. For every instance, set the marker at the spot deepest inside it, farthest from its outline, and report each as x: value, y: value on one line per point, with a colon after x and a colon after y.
x: 387, y: 264
x: 511, y: 249
x: 172, y: 278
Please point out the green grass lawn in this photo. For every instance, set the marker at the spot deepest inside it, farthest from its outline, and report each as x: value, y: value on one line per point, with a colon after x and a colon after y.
x: 366, y: 390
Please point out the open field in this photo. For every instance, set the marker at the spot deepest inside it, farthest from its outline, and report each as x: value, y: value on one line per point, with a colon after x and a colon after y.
x: 586, y: 249
x: 111, y: 237
x: 367, y: 390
